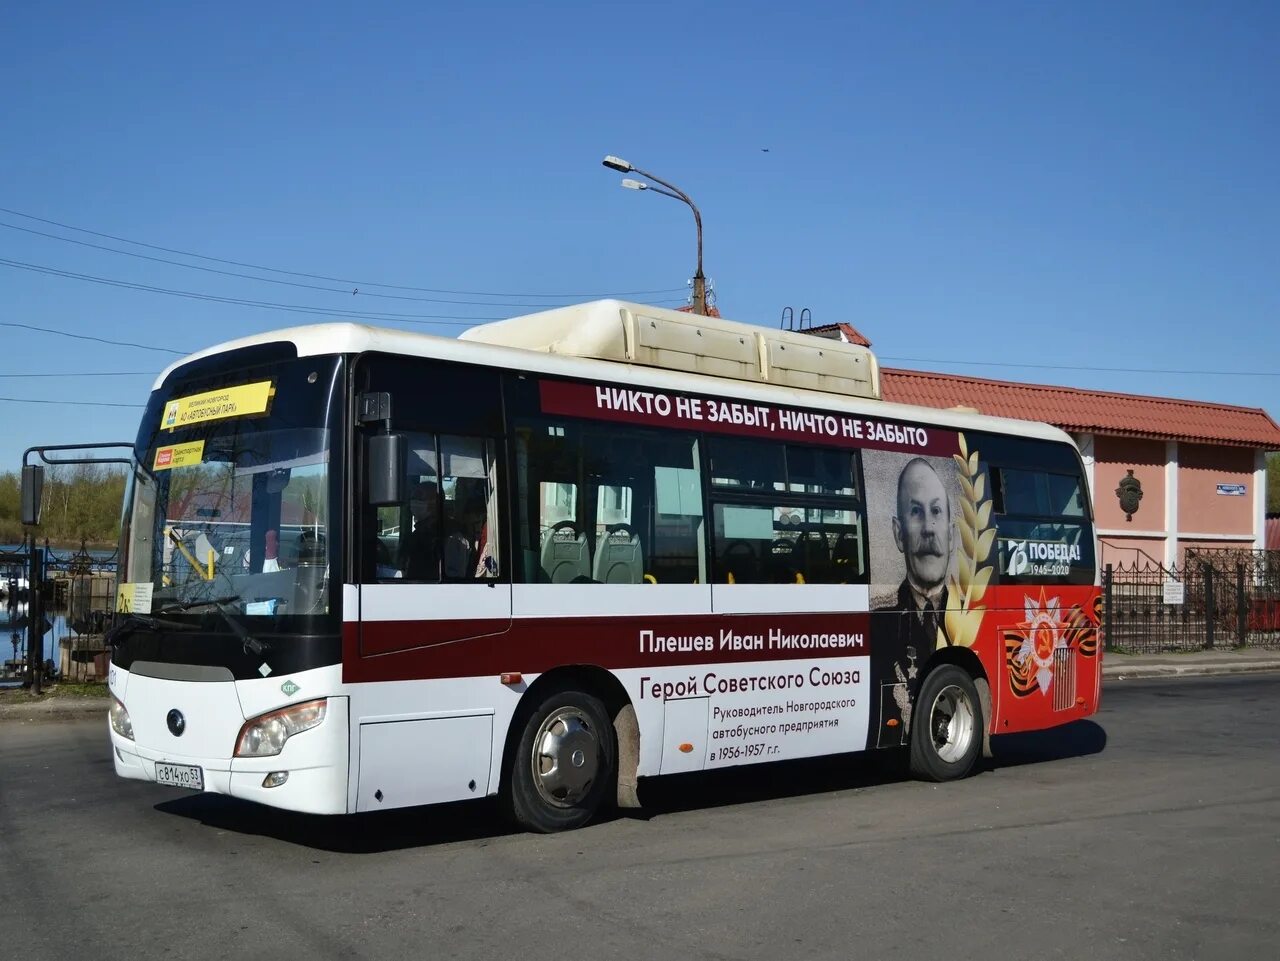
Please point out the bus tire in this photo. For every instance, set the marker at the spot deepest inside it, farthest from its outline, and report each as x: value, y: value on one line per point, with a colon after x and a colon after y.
x: 946, y: 725
x: 563, y: 766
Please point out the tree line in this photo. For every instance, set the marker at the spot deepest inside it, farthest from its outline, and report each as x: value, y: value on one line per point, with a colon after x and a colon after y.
x: 81, y: 503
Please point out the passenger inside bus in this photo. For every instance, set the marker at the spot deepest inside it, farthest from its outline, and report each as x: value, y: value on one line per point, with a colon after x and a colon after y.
x: 465, y: 516
x: 419, y: 553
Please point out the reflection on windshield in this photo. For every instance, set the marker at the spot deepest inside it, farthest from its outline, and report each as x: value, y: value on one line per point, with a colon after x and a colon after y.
x: 234, y: 510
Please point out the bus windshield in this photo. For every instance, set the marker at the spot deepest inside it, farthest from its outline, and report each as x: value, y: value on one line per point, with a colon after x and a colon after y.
x: 232, y: 496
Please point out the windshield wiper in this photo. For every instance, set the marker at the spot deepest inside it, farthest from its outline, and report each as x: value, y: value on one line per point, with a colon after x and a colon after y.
x: 130, y: 623
x: 250, y: 643
x: 188, y: 605
x: 223, y: 605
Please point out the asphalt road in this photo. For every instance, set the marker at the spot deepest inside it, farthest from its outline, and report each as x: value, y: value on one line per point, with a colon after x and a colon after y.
x: 1152, y: 833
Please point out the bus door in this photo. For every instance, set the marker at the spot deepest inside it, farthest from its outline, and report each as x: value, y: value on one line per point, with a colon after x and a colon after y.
x: 434, y: 565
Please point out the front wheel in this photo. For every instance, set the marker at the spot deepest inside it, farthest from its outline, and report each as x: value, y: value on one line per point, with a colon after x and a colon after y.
x: 946, y: 725
x: 563, y: 765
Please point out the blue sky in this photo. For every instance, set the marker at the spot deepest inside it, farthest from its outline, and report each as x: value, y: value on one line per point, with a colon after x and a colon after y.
x: 1080, y: 185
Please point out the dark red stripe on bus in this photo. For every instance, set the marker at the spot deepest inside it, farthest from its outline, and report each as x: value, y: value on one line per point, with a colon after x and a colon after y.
x: 407, y: 650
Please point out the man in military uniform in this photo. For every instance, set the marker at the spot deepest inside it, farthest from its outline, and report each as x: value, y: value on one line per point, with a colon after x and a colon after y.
x: 922, y: 532
x: 905, y: 634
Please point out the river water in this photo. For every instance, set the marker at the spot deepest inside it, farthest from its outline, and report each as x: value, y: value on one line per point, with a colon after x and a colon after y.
x: 14, y: 622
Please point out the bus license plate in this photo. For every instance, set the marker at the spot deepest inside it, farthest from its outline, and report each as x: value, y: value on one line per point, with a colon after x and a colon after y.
x: 180, y: 775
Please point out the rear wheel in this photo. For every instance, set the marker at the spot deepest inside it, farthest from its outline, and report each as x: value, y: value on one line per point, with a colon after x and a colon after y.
x: 563, y: 766
x: 946, y: 725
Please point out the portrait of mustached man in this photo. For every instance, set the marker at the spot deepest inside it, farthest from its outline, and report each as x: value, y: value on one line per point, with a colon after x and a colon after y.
x: 922, y: 529
x: 906, y: 632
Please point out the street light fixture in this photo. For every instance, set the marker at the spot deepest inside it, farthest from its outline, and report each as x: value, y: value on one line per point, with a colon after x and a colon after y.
x: 623, y: 166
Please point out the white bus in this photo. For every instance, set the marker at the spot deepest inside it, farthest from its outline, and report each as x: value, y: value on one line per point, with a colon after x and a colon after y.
x: 364, y: 569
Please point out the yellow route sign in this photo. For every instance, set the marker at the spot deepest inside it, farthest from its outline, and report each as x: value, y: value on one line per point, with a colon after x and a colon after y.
x: 179, y: 455
x: 217, y: 405
x: 134, y: 598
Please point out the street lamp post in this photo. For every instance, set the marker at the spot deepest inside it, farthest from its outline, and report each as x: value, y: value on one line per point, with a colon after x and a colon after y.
x: 699, y: 280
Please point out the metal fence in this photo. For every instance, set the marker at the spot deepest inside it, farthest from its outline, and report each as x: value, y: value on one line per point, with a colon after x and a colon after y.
x: 80, y: 561
x: 76, y: 591
x: 15, y: 571
x: 1216, y: 599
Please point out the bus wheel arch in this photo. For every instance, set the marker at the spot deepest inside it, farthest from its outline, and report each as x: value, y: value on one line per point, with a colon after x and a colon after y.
x: 592, y: 702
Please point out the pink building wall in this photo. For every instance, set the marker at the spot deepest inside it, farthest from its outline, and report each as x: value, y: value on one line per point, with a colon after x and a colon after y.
x: 1128, y: 551
x: 1215, y: 545
x: 1201, y: 509
x: 1112, y: 459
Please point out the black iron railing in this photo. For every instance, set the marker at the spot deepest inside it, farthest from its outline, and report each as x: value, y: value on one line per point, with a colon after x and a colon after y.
x: 1216, y: 598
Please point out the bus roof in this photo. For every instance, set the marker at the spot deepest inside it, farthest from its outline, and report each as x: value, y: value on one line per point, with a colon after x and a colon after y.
x: 676, y: 340
x: 637, y: 345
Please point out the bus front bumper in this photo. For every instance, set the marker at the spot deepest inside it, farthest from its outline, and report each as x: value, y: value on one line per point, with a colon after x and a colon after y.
x: 315, y: 762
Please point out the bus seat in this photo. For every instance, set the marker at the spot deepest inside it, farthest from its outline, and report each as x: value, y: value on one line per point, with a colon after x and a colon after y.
x: 846, y: 556
x: 779, y: 564
x: 457, y: 557
x: 738, y: 562
x: 811, y: 557
x: 565, y: 557
x: 619, y: 556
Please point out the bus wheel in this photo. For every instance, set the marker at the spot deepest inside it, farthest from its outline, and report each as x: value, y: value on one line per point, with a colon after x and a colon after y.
x: 563, y: 767
x: 946, y: 725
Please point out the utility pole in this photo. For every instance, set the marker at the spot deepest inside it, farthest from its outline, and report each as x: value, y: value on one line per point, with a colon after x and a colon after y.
x: 35, y: 617
x: 699, y: 279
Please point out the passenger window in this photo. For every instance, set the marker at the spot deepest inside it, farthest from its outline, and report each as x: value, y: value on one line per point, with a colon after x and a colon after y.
x: 678, y: 555
x: 563, y: 541
x: 613, y: 506
x: 761, y: 544
x: 1016, y: 492
x: 746, y: 464
x: 1036, y: 494
x: 608, y: 506
x: 409, y: 534
x: 446, y: 529
x: 819, y: 470
x: 1065, y: 495
x: 469, y: 487
x: 1043, y: 532
x: 790, y: 516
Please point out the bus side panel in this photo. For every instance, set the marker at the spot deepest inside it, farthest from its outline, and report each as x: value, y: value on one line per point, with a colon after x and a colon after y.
x: 769, y: 686
x: 697, y: 717
x: 1041, y: 648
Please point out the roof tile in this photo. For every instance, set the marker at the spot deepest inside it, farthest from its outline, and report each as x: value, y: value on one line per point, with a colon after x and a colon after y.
x: 840, y: 331
x: 1096, y: 411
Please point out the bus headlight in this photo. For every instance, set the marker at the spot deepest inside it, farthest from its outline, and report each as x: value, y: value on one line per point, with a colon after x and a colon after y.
x: 120, y: 722
x: 266, y: 734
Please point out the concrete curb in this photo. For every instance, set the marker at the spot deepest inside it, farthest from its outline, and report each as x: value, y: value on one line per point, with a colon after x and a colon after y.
x: 55, y: 708
x: 1139, y: 671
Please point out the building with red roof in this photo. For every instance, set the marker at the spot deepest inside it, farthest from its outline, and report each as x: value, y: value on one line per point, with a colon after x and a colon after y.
x: 1201, y: 466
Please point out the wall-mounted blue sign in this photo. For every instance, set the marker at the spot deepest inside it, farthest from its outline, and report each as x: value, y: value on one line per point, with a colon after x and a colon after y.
x: 1232, y: 490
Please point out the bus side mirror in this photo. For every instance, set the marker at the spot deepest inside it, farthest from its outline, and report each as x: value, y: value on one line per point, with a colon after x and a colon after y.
x: 386, y: 461
x: 32, y: 489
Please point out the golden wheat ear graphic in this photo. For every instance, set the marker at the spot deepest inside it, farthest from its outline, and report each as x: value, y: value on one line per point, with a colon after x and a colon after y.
x: 968, y: 585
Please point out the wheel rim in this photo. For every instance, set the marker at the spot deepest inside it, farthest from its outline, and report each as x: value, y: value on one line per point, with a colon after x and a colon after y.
x: 952, y: 723
x: 566, y: 757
